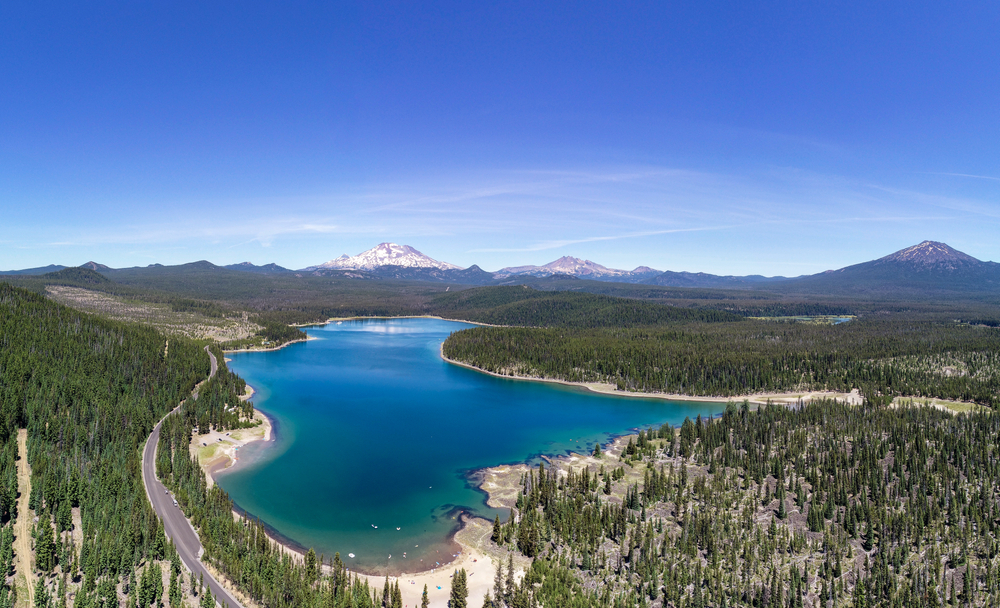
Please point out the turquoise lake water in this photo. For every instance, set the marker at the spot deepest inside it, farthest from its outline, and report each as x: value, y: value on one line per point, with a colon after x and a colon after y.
x: 373, y: 428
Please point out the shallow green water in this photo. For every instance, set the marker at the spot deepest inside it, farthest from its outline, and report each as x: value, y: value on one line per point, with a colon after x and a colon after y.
x: 375, y: 429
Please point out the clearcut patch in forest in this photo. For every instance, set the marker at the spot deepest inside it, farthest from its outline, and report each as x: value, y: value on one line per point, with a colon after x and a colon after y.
x: 161, y: 316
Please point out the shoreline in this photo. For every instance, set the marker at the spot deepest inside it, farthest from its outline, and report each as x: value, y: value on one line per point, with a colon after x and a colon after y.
x: 333, y: 319
x: 218, y: 451
x: 463, y: 536
x: 267, y: 350
x: 603, y: 388
x: 476, y: 552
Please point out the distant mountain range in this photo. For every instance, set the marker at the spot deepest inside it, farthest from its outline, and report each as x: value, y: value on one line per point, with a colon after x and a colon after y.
x: 32, y: 271
x: 929, y: 266
x: 265, y: 269
x: 389, y: 260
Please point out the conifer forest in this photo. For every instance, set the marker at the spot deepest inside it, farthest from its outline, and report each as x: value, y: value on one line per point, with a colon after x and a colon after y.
x: 887, y: 503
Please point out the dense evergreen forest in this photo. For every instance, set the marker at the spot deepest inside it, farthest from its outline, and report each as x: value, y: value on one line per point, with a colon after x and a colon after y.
x: 525, y: 307
x: 883, y: 357
x: 820, y: 505
x: 864, y: 506
x: 303, y: 298
x: 88, y: 391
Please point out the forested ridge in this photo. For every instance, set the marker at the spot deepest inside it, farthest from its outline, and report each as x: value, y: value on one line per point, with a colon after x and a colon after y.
x: 89, y: 392
x: 883, y: 357
x: 821, y: 505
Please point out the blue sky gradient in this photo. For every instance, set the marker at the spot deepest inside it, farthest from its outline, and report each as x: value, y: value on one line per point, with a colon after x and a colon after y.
x: 772, y: 138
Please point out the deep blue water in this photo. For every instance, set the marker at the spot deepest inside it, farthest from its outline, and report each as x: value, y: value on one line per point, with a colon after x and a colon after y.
x: 375, y: 429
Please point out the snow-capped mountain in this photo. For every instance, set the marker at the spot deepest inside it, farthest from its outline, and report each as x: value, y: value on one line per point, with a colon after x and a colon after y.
x: 384, y: 254
x: 930, y: 254
x: 575, y: 267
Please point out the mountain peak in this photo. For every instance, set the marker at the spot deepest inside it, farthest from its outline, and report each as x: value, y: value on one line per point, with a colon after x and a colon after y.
x: 385, y: 254
x: 930, y: 253
x: 95, y: 266
x: 576, y: 266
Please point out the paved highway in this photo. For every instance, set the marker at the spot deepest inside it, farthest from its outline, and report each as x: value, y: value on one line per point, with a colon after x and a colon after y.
x: 176, y: 526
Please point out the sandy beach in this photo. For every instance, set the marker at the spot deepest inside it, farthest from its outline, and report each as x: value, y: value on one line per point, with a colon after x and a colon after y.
x: 478, y: 564
x: 219, y: 450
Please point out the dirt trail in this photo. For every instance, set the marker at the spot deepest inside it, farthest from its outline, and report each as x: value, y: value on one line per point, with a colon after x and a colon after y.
x: 22, y: 527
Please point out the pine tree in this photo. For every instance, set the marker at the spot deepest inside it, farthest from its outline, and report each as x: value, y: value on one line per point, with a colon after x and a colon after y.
x: 45, y: 546
x: 459, y: 590
x: 207, y: 601
x: 175, y: 589
x: 424, y: 600
x: 497, y: 530
x: 508, y: 587
x: 397, y: 596
x: 312, y: 570
x: 42, y: 598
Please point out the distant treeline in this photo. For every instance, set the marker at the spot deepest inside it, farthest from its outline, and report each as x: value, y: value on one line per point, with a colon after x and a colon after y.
x: 526, y: 307
x: 303, y: 298
x: 208, y: 309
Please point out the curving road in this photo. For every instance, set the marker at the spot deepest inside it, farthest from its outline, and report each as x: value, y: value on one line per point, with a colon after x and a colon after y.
x: 176, y: 526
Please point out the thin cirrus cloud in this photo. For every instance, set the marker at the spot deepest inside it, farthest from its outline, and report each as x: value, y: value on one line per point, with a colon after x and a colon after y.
x: 547, y: 245
x: 619, y: 215
x: 969, y: 175
x: 557, y: 244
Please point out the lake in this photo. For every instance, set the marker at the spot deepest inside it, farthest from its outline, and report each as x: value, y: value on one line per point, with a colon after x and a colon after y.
x: 376, y: 437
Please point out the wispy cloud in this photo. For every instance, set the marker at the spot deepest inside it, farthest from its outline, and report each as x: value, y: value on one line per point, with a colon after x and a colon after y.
x: 969, y: 175
x: 546, y: 245
x: 499, y: 218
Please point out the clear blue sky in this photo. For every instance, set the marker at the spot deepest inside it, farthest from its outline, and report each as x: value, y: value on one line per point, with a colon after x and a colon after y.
x: 774, y: 138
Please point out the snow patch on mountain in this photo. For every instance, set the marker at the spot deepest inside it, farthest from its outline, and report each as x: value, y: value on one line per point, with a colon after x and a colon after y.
x: 573, y: 267
x: 384, y: 254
